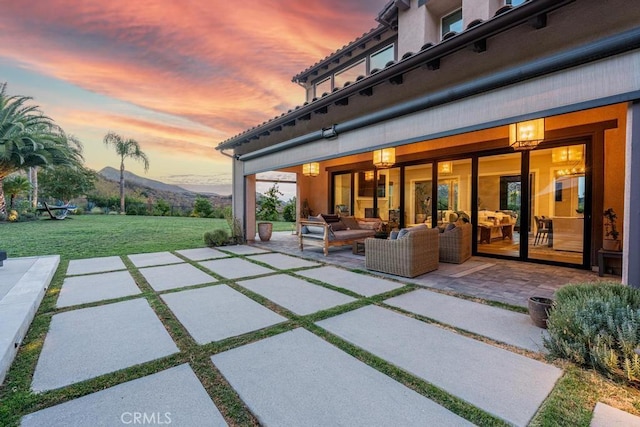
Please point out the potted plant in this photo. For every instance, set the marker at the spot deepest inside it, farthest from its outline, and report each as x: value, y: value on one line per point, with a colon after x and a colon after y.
x: 610, y: 242
x: 539, y: 308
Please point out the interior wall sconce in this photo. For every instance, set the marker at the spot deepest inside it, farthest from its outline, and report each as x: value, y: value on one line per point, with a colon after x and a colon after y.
x: 368, y: 175
x: 445, y: 168
x: 384, y: 158
x: 311, y: 169
x: 526, y: 135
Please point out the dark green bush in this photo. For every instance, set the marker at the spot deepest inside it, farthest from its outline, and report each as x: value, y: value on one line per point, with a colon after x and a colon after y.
x: 597, y: 325
x: 217, y: 237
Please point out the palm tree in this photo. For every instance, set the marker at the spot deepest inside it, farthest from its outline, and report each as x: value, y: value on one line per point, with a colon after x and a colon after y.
x: 14, y: 186
x: 125, y: 148
x: 28, y: 138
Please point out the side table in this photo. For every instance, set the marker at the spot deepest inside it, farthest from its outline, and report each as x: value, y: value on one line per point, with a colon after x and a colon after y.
x: 604, y: 255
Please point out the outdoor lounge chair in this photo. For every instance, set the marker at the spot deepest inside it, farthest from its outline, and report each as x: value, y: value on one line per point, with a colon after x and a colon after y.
x: 415, y: 253
x: 56, y: 212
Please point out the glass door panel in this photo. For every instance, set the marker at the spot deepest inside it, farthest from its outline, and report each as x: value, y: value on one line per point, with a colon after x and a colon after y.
x: 418, y: 191
x: 454, y: 190
x: 342, y: 194
x: 557, y: 200
x: 389, y: 196
x: 499, y: 204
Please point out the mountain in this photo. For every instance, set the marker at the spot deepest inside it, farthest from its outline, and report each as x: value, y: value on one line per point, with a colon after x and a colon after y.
x: 149, y: 189
x: 113, y: 174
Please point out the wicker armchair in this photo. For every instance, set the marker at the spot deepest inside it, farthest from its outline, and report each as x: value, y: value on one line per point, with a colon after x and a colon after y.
x: 412, y: 255
x: 455, y: 245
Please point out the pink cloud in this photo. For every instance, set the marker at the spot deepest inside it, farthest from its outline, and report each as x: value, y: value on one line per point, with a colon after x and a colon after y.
x: 226, y: 65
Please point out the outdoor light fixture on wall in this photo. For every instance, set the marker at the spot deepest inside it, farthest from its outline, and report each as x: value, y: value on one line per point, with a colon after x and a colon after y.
x: 445, y: 168
x: 368, y: 175
x: 526, y: 135
x: 330, y: 132
x: 384, y: 158
x: 311, y: 169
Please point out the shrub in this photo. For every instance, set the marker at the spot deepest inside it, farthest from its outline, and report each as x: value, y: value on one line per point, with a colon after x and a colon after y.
x: 217, y: 237
x: 597, y: 325
x: 202, y: 207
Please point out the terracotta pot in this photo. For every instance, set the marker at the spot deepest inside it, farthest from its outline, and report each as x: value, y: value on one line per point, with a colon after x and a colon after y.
x: 539, y: 310
x: 611, y: 245
x: 264, y: 231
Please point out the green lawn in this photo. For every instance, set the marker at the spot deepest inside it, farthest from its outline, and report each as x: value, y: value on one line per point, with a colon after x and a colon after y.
x: 86, y: 236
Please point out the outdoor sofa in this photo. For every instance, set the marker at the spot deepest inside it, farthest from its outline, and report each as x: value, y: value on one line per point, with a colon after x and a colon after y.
x: 413, y: 252
x: 333, y: 230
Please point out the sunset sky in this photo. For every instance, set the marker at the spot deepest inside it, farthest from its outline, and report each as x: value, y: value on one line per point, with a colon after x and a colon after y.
x: 177, y: 76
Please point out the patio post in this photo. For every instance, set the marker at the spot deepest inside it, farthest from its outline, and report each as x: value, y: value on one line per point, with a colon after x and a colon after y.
x: 631, y: 236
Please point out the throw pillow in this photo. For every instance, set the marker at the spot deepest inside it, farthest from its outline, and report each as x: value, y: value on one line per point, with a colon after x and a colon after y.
x: 450, y: 227
x: 330, y: 218
x: 337, y: 226
x: 402, y: 233
x: 349, y: 222
x: 394, y: 235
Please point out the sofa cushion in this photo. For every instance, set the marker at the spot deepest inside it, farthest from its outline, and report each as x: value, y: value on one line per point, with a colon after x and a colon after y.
x: 370, y: 224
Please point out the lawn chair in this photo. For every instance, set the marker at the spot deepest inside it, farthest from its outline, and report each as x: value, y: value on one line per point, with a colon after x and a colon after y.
x: 55, y: 212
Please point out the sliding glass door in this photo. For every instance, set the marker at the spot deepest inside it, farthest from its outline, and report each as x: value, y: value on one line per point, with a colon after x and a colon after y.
x: 499, y: 204
x: 558, y: 197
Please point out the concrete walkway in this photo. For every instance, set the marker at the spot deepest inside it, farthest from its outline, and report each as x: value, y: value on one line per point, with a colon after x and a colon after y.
x: 289, y: 378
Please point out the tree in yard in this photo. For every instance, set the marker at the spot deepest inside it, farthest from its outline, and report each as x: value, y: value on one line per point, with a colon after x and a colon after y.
x: 202, y: 207
x: 125, y: 148
x: 66, y: 182
x: 15, y: 186
x: 289, y: 210
x: 268, y: 210
x: 28, y: 138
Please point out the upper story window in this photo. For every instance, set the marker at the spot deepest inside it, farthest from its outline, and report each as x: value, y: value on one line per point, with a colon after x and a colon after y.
x: 452, y: 22
x: 350, y: 74
x: 323, y: 86
x: 380, y: 58
x: 514, y: 2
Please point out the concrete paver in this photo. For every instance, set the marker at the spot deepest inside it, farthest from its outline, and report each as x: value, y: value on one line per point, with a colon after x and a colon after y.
x: 175, y: 276
x: 96, y: 287
x: 217, y: 312
x: 233, y: 268
x: 243, y: 250
x: 156, y: 258
x: 493, y: 322
x: 85, y: 343
x: 608, y: 416
x: 95, y: 265
x: 296, y: 378
x: 172, y: 397
x: 361, y: 284
x: 297, y: 295
x: 201, y: 254
x: 505, y: 384
x: 283, y: 262
x: 27, y: 284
